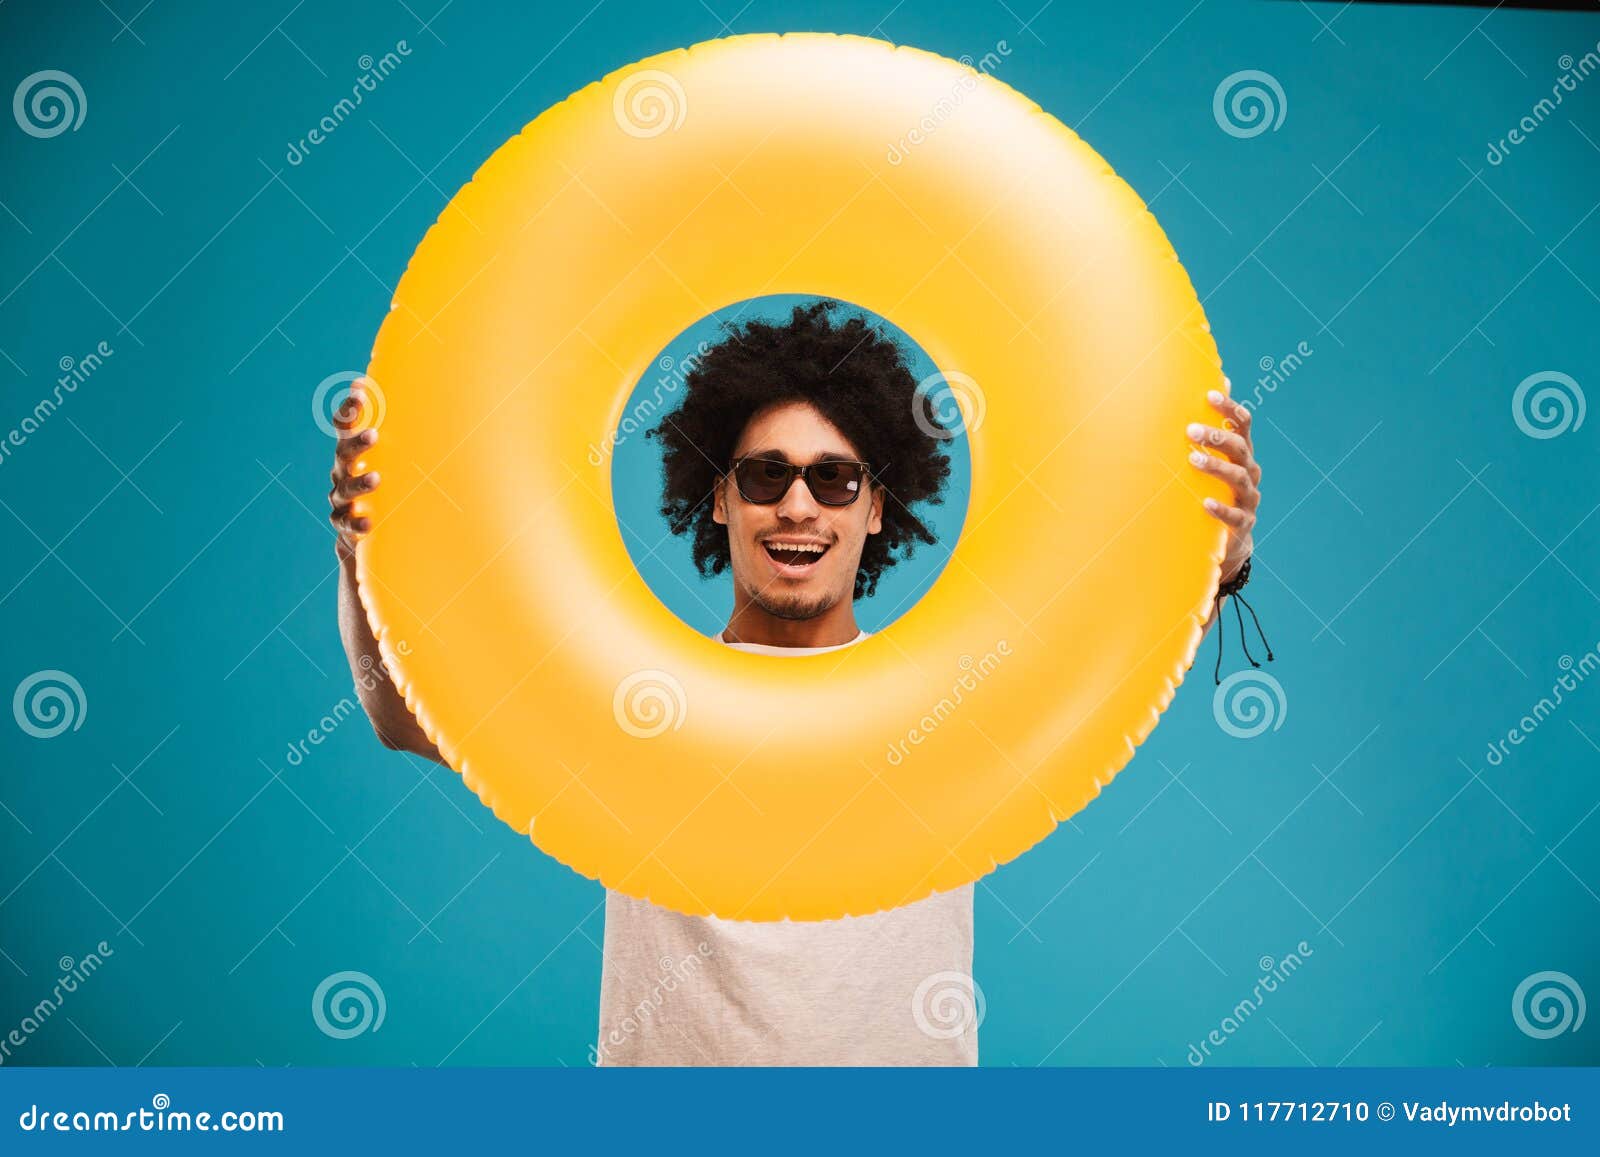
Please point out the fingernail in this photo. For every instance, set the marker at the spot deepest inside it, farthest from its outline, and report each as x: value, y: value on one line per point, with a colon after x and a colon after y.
x: 1215, y: 396
x: 1196, y: 431
x: 1211, y: 504
x: 1197, y: 458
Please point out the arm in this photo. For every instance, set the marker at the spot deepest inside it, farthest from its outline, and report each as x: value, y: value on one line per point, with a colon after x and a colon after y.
x: 396, y: 728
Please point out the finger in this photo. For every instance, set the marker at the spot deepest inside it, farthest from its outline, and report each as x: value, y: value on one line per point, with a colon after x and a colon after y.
x: 1229, y: 443
x: 356, y: 485
x: 1245, y: 493
x: 352, y: 444
x: 349, y: 408
x: 347, y: 525
x: 1240, y: 520
x: 1237, y: 414
x: 349, y: 412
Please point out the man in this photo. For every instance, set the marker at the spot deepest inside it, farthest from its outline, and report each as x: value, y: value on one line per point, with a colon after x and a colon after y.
x: 793, y: 461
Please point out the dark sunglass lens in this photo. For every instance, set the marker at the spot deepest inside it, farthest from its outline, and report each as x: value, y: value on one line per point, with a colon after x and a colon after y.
x: 762, y: 481
x: 836, y: 482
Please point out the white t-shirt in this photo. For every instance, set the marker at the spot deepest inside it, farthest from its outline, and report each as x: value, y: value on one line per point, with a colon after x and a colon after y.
x: 894, y: 988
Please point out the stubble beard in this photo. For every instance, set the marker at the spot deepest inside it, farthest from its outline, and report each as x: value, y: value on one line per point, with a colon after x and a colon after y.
x: 793, y: 607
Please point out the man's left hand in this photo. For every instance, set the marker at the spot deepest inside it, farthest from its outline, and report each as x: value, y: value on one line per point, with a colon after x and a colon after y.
x: 1237, y: 467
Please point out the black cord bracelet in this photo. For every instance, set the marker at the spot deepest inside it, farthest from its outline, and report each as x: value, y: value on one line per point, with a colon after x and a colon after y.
x: 1231, y: 589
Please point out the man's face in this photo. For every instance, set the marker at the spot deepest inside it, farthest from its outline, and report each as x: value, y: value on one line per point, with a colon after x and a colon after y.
x: 798, y: 434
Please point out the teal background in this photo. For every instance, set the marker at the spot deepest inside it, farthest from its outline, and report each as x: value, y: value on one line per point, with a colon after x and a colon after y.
x: 1422, y: 564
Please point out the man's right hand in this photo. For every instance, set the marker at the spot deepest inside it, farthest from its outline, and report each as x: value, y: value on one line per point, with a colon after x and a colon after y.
x: 391, y: 719
x: 346, y: 486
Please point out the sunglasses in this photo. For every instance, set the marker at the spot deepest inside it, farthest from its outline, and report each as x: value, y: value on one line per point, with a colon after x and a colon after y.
x: 764, y: 481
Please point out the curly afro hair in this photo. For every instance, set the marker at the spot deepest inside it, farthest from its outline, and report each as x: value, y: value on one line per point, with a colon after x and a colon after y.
x: 854, y: 374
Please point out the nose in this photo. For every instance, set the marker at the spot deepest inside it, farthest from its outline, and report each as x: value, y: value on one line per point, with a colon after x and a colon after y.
x: 798, y: 505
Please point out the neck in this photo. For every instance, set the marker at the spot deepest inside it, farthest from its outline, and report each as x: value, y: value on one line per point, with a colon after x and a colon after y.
x: 749, y: 623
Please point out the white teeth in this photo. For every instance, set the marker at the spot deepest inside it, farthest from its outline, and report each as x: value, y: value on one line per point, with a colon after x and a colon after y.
x: 802, y: 547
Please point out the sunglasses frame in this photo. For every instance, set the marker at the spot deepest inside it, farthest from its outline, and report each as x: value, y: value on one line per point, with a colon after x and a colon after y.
x: 802, y: 472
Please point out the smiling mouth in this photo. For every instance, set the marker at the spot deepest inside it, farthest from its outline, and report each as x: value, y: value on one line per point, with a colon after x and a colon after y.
x: 794, y: 556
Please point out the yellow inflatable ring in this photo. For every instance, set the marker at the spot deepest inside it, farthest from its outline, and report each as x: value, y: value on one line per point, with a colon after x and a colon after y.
x: 585, y: 713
